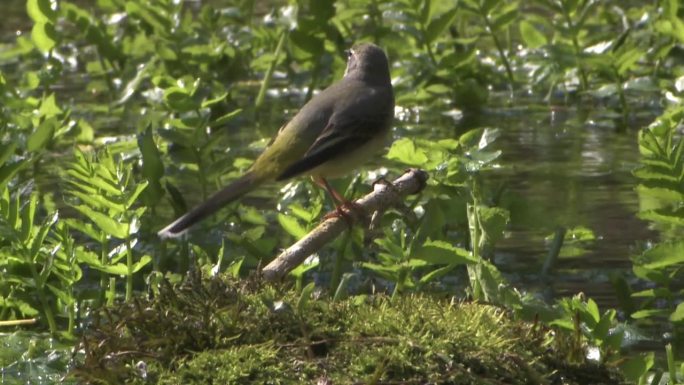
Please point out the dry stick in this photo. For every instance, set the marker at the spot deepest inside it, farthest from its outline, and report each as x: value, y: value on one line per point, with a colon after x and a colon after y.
x: 382, y: 197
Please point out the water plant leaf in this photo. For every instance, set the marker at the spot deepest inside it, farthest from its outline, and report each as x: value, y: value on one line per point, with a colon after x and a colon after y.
x: 223, y: 119
x: 304, y: 298
x: 148, y: 14
x: 506, y: 17
x: 44, y: 36
x: 437, y: 273
x: 39, y: 238
x: 180, y: 99
x: 593, y: 311
x: 40, y: 11
x: 291, y: 225
x: 531, y: 35
x: 405, y: 151
x: 48, y: 107
x: 637, y: 366
x: 662, y: 255
x: 99, y: 201
x: 250, y: 214
x: 443, y: 253
x: 106, y: 223
x: 656, y: 276
x: 7, y: 171
x: 144, y: 261
x: 436, y: 27
x: 139, y: 188
x: 42, y: 136
x: 649, y: 313
x: 210, y: 102
x: 134, y: 84
x: 6, y: 151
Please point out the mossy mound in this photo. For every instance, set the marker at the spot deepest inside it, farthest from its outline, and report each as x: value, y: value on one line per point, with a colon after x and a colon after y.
x: 219, y: 331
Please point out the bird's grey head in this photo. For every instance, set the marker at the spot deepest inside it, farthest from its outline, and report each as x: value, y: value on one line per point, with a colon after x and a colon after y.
x: 367, y: 61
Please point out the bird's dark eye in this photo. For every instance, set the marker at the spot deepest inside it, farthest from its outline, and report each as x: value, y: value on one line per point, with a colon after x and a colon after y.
x: 348, y: 52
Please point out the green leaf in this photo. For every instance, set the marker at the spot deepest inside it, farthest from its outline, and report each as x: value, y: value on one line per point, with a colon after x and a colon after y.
x: 6, y: 151
x: 234, y: 268
x: 115, y: 269
x: 40, y: 11
x: 140, y: 75
x: 62, y: 294
x: 648, y: 313
x: 593, y: 310
x: 144, y: 261
x: 226, y: 118
x: 210, y: 102
x: 627, y: 60
x: 307, y: 42
x: 662, y: 255
x: 394, y: 248
x: 7, y: 171
x: 505, y: 19
x: 308, y: 264
x: 660, y: 292
x: 107, y: 224
x: 95, y: 181
x: 390, y: 273
x: 304, y: 298
x: 305, y: 214
x: 252, y: 215
x: 99, y: 201
x: 437, y: 26
x: 12, y: 216
x: 42, y: 136
x: 404, y: 150
x: 531, y: 35
x: 146, y: 12
x: 678, y: 314
x: 493, y: 221
x: 443, y: 253
x: 437, y: 273
x: 88, y: 257
x: 44, y: 36
x: 27, y: 216
x: 180, y: 100
x: 291, y: 225
x: 49, y: 107
x: 139, y: 188
x: 637, y: 367
x: 656, y: 276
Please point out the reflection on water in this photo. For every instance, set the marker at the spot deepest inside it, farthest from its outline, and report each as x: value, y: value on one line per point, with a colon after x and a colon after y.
x: 563, y: 169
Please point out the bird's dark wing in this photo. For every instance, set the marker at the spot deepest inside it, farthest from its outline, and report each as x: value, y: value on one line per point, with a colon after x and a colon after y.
x: 337, y: 138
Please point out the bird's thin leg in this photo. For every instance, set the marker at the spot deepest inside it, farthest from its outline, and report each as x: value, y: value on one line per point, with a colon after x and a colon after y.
x: 337, y: 197
x: 341, y: 203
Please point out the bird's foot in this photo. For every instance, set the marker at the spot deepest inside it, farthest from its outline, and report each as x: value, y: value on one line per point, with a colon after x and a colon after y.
x: 349, y: 211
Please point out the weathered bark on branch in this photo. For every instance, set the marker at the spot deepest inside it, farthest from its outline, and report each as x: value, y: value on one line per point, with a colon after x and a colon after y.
x: 382, y: 198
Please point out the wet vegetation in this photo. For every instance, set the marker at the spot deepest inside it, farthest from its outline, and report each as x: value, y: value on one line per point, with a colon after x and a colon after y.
x: 116, y: 116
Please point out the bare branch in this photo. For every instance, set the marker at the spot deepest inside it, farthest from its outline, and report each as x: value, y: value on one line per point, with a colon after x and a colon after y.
x: 382, y: 198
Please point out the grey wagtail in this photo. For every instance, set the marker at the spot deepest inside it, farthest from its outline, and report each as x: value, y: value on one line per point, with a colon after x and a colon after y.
x: 333, y: 134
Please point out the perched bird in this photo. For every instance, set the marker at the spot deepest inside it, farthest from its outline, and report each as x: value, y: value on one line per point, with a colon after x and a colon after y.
x: 334, y: 133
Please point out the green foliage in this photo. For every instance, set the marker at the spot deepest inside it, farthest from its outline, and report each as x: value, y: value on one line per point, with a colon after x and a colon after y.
x: 38, y: 270
x: 103, y: 191
x: 661, y: 193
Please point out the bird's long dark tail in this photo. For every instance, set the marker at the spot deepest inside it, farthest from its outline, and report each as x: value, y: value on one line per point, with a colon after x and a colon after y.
x: 228, y: 194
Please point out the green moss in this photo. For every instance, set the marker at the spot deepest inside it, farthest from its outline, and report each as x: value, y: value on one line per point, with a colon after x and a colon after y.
x: 224, y: 332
